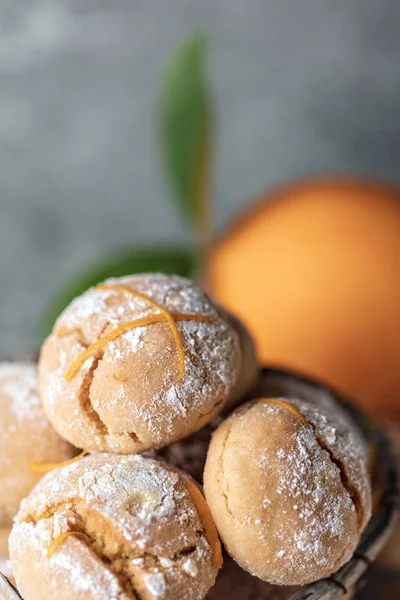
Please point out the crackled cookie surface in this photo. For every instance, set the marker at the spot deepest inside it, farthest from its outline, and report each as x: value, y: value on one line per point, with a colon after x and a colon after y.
x: 288, y: 487
x: 25, y: 436
x: 137, y: 363
x: 115, y: 527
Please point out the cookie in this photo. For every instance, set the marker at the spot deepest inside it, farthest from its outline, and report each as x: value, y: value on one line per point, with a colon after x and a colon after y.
x: 115, y: 527
x: 140, y: 362
x: 287, y: 483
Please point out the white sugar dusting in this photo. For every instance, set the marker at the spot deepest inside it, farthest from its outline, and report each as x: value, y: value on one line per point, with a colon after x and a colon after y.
x: 211, y: 350
x: 133, y: 340
x: 167, y: 563
x: 305, y: 483
x: 100, y: 581
x: 339, y: 434
x: 190, y: 567
x: 305, y: 504
x: 18, y: 381
x: 138, y: 497
x: 155, y: 583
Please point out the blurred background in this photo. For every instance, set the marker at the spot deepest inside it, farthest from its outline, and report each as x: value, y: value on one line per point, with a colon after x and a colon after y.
x: 300, y: 88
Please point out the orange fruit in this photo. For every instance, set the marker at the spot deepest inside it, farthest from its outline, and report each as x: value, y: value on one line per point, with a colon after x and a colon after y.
x: 314, y: 271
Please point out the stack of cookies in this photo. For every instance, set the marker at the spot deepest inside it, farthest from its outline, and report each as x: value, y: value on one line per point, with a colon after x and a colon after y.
x: 155, y: 385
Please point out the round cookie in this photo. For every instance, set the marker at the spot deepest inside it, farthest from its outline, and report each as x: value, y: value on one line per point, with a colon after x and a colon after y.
x: 287, y: 484
x: 25, y: 436
x: 142, y: 529
x: 126, y: 373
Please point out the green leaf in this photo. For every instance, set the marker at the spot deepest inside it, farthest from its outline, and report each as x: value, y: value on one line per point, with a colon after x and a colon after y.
x: 186, y: 133
x: 170, y: 260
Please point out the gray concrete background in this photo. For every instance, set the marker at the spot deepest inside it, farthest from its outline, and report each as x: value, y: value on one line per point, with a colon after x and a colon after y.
x: 301, y: 87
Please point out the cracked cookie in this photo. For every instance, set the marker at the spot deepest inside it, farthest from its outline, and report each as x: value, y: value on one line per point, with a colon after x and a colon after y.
x: 115, y: 527
x: 287, y: 483
x: 139, y: 362
x: 25, y: 435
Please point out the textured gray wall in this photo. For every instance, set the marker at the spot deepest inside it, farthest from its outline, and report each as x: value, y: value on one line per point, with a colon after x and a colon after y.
x: 302, y: 86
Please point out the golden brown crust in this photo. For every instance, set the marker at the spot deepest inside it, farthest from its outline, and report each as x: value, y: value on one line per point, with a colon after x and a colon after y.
x: 277, y: 498
x: 118, y: 401
x: 25, y: 435
x: 143, y: 535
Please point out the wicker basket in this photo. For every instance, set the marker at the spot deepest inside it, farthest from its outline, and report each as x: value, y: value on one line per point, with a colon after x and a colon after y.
x: 347, y: 578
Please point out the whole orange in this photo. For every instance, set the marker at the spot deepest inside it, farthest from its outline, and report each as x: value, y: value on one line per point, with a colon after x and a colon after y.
x: 314, y: 271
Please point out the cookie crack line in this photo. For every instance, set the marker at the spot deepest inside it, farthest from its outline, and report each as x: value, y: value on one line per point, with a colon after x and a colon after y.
x: 91, y: 350
x: 221, y: 458
x: 163, y: 315
x: 350, y: 489
x: 85, y: 400
x: 74, y: 510
x: 221, y: 471
x: 84, y: 393
x: 209, y: 412
x: 166, y: 313
x: 125, y: 582
x: 62, y: 332
x: 135, y: 437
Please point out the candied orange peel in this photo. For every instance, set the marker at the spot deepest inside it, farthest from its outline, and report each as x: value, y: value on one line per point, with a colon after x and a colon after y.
x: 46, y: 467
x: 208, y: 523
x: 289, y: 406
x: 163, y: 315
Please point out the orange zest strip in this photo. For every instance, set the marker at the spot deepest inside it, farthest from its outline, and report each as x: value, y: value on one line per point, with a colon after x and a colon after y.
x: 77, y: 364
x: 208, y: 522
x: 47, y: 514
x: 119, y: 379
x: 55, y: 544
x: 169, y: 318
x: 46, y: 467
x: 289, y: 406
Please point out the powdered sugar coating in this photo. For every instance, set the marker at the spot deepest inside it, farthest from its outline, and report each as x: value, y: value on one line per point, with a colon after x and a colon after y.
x: 304, y: 476
x: 334, y: 428
x: 25, y: 435
x: 88, y: 577
x: 141, y: 526
x: 18, y: 381
x: 135, y: 399
x: 277, y: 496
x: 155, y: 583
x: 339, y: 435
